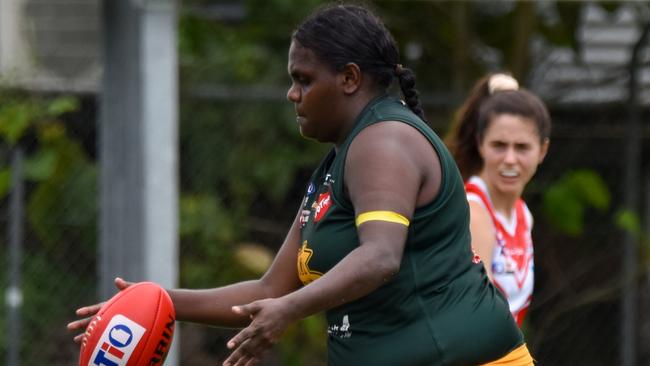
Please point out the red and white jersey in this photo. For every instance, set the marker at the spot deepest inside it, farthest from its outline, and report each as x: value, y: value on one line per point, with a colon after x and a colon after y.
x: 512, y: 259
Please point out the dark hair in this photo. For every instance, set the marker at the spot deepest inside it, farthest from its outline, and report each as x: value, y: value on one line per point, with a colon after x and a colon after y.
x: 340, y: 34
x: 474, y: 116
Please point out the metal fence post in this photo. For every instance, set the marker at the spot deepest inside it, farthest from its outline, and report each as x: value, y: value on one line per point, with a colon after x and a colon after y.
x: 13, y: 296
x: 630, y: 268
x: 139, y: 146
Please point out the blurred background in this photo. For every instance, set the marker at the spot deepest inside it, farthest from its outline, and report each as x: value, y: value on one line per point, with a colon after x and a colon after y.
x: 152, y: 139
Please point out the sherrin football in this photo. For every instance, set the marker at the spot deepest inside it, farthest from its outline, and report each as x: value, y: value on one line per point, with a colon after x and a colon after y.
x: 134, y: 328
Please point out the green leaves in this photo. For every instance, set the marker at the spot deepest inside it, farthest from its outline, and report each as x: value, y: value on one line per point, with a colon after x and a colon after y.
x: 5, y: 181
x: 19, y: 113
x: 63, y: 206
x: 15, y: 118
x: 62, y: 105
x: 203, y: 217
x: 629, y: 221
x: 565, y: 201
x: 62, y: 203
x: 41, y: 164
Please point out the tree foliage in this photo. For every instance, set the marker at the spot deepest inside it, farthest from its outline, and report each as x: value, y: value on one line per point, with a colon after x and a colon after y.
x: 60, y: 229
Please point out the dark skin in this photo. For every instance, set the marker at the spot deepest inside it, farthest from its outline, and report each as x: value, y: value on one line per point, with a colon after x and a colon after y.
x: 389, y: 166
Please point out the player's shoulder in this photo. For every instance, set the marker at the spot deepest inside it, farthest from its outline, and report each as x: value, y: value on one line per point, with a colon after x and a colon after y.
x: 476, y: 205
x: 389, y: 136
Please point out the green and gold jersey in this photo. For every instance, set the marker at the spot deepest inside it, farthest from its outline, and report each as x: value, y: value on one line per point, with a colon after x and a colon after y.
x: 440, y: 308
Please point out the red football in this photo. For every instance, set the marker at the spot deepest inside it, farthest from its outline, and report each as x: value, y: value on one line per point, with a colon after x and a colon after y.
x: 135, y: 327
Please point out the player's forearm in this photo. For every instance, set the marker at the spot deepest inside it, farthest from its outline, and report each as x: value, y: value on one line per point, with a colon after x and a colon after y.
x: 214, y: 306
x: 362, y: 271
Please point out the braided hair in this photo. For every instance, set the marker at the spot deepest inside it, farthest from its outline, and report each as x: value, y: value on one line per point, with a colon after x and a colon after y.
x: 341, y: 34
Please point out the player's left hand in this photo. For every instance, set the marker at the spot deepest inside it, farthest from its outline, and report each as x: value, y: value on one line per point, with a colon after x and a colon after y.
x: 269, y: 319
x: 87, y: 313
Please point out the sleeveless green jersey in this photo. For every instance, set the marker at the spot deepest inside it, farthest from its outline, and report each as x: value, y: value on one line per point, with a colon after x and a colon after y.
x: 440, y: 308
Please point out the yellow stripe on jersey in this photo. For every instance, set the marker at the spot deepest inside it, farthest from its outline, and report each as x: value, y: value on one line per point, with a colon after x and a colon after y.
x: 388, y: 216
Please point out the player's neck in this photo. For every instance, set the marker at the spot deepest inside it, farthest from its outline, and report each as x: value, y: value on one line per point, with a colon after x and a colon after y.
x: 503, y: 203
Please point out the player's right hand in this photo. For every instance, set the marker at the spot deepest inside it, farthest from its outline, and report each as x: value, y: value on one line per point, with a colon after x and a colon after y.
x: 88, y: 312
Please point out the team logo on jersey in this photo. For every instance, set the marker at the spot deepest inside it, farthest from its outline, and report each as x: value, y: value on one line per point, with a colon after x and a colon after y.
x: 321, y: 206
x: 311, y: 189
x: 476, y: 259
x: 118, y: 341
x: 328, y: 180
x: 341, y: 331
x: 522, y: 257
x: 305, y: 212
x: 305, y: 273
x: 513, y: 258
x: 304, y: 217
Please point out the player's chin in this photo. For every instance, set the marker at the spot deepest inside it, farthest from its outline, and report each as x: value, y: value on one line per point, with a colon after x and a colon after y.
x: 511, y: 188
x: 308, y: 133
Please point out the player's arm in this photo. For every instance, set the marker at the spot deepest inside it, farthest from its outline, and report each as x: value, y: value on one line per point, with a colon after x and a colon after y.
x: 214, y: 306
x: 383, y: 174
x: 483, y: 234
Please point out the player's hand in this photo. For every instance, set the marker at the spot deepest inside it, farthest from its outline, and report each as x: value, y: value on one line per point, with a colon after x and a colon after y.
x: 88, y: 312
x: 270, y: 318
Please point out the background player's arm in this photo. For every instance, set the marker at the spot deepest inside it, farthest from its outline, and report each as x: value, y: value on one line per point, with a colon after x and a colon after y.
x: 483, y: 234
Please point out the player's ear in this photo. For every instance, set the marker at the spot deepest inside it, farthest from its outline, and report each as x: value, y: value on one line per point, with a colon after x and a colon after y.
x: 350, y: 78
x: 544, y: 150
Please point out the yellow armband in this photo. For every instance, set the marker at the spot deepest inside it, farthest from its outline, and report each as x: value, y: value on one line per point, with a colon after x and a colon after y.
x: 388, y: 216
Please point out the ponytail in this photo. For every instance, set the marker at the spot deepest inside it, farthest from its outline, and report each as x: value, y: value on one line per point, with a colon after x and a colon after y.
x: 406, y: 79
x: 471, y: 120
